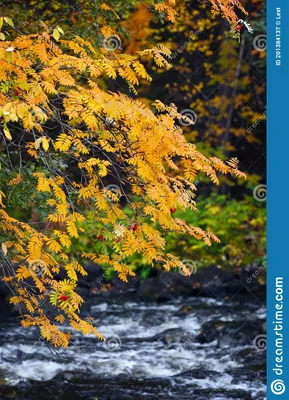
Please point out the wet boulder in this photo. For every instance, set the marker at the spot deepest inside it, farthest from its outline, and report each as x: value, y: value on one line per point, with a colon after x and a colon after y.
x: 175, y: 335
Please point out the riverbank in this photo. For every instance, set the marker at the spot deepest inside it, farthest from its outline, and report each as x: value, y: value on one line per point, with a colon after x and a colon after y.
x: 211, y: 281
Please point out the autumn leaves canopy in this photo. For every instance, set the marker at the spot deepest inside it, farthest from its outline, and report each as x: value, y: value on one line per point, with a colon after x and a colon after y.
x: 62, y: 130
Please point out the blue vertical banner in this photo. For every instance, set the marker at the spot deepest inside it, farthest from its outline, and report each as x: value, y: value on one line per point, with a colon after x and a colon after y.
x: 277, y: 200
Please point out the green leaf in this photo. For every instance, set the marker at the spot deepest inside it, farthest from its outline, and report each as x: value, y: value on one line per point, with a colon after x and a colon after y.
x: 53, y: 298
x: 2, y: 36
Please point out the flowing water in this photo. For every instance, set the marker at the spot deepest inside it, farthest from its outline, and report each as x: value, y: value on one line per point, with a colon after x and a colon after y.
x: 153, y: 351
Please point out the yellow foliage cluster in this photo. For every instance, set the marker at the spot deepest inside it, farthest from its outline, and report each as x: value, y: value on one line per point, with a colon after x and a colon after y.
x: 104, y: 135
x: 227, y: 9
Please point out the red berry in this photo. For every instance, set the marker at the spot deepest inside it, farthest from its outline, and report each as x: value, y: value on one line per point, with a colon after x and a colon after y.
x: 64, y: 297
x: 100, y: 237
x: 173, y: 210
x: 134, y: 227
x: 239, y: 27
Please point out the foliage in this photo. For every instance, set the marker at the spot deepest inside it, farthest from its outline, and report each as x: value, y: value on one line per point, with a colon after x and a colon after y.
x: 240, y: 226
x: 68, y: 137
x: 203, y: 81
x: 227, y: 9
x: 92, y: 19
x: 206, y: 80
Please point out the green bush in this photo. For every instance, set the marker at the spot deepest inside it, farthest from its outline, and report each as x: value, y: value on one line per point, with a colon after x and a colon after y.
x: 240, y: 226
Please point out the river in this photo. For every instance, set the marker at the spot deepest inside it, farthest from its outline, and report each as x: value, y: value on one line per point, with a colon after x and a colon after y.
x: 185, y: 349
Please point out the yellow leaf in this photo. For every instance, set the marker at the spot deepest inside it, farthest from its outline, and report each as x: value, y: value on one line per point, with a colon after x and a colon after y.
x: 71, y: 272
x: 37, y: 143
x: 2, y: 36
x: 22, y: 110
x: 15, y: 299
x: 56, y: 34
x: 54, y: 245
x: 60, y: 318
x: 2, y: 195
x: 22, y: 273
x: 10, y: 55
x: 4, y: 249
x: 60, y: 30
x: 71, y: 229
x: 45, y: 144
x: 63, y: 142
x: 7, y: 133
x: 1, y: 22
x: 9, y: 21
x: 105, y: 7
